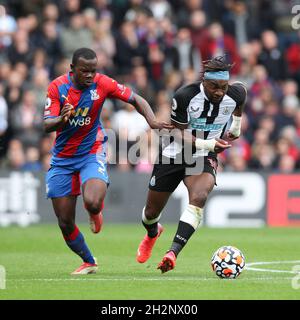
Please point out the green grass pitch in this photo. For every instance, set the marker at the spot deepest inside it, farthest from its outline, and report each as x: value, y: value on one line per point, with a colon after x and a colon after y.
x: 38, y: 265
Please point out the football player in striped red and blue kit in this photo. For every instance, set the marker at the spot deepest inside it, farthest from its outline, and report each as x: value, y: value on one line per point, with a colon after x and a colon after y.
x: 73, y: 107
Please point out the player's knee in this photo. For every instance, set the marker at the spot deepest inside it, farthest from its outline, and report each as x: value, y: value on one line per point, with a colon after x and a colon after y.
x: 93, y: 205
x: 151, y: 212
x: 199, y: 198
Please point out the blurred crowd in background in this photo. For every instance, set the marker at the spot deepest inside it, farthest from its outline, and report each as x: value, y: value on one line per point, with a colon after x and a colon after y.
x: 155, y: 47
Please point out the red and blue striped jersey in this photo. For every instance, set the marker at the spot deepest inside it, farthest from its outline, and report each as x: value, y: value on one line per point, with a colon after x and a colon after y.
x: 84, y: 133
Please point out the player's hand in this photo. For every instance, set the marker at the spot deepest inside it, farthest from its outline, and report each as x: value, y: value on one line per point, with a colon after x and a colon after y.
x: 154, y: 124
x: 221, y: 145
x: 230, y: 137
x: 66, y: 112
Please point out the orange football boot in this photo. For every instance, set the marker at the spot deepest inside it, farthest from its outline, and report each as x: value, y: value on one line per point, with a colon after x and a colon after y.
x: 145, y: 248
x: 168, y: 262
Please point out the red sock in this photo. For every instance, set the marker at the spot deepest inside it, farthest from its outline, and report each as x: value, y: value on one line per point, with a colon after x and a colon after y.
x: 72, y: 236
x: 76, y: 243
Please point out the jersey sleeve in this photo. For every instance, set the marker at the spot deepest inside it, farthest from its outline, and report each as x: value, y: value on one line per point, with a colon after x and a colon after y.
x: 116, y: 90
x: 239, y: 93
x: 179, y: 112
x: 52, y: 104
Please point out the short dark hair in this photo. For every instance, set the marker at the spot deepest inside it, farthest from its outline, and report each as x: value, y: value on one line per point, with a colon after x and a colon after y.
x: 217, y: 64
x: 85, y: 53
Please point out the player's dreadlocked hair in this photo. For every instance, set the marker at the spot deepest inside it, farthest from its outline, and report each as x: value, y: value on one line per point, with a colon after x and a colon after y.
x: 216, y: 64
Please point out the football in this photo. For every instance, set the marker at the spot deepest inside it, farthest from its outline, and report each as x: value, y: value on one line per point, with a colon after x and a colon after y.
x: 228, y: 262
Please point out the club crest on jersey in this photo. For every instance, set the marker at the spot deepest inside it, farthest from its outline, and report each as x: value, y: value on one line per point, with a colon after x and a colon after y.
x: 225, y: 111
x: 195, y: 109
x: 94, y: 94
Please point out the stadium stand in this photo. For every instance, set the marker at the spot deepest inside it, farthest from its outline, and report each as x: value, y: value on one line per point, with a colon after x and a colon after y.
x: 155, y: 47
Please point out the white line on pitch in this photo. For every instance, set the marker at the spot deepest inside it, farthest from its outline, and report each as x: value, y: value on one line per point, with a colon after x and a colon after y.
x: 249, y: 266
x: 271, y: 262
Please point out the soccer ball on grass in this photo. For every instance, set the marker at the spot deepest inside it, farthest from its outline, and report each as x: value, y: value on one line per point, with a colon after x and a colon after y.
x: 228, y: 262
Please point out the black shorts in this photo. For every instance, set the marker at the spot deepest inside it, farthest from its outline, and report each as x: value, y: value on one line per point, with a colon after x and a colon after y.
x: 166, y: 177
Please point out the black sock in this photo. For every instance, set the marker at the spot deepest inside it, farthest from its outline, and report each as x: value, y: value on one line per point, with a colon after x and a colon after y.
x: 183, y: 233
x: 151, y: 229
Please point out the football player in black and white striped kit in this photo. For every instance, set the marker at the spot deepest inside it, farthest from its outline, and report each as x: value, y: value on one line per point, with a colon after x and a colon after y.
x: 200, y: 113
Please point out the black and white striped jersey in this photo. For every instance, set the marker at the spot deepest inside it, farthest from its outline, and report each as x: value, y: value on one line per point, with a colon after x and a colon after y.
x: 190, y: 106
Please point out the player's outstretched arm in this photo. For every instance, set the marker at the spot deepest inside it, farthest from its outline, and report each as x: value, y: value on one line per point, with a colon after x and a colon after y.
x: 53, y: 124
x: 143, y: 107
x: 235, y: 129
